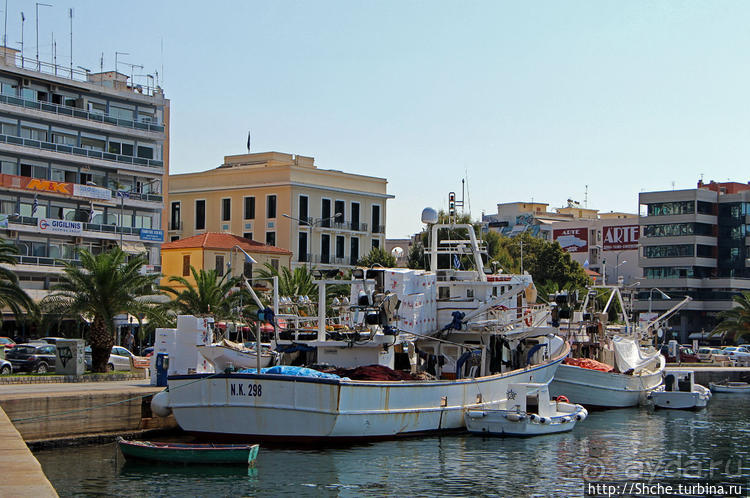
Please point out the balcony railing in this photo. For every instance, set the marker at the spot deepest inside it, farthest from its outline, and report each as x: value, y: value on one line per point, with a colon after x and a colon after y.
x: 175, y: 225
x: 91, y: 227
x: 304, y: 257
x: 378, y: 229
x: 78, y: 151
x: 45, y: 261
x: 355, y: 226
x: 80, y: 113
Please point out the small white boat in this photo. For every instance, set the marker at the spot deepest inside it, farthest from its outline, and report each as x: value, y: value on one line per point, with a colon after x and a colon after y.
x: 680, y: 391
x: 526, y: 411
x: 729, y: 387
x: 228, y: 354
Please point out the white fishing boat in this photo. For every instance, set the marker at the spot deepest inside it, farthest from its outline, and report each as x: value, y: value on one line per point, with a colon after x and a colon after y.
x: 729, y: 387
x: 228, y: 354
x: 609, y: 366
x: 462, y: 337
x: 527, y: 410
x: 680, y: 391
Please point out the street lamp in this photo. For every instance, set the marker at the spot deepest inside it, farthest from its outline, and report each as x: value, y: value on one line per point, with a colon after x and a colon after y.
x: 310, y: 226
x: 650, y: 293
x: 617, y: 266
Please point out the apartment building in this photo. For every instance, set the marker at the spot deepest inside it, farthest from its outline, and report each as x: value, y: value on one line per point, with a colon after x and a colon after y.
x: 696, y: 243
x: 83, y: 161
x: 327, y: 218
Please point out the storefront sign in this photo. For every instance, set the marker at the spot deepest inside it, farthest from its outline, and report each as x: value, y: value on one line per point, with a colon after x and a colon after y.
x: 618, y: 238
x: 65, y: 227
x: 49, y: 186
x: 152, y: 235
x: 91, y: 192
x: 572, y: 239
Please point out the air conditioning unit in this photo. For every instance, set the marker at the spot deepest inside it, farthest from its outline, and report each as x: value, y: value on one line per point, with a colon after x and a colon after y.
x: 26, y: 82
x: 78, y: 240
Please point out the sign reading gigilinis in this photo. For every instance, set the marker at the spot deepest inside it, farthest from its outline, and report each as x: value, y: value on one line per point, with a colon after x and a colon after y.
x: 48, y: 225
x: 572, y: 239
x: 622, y: 237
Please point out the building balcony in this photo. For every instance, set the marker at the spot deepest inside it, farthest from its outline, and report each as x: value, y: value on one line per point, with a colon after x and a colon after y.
x: 378, y: 229
x: 80, y: 113
x: 78, y: 151
x: 175, y: 226
x: 353, y: 226
x: 25, y: 221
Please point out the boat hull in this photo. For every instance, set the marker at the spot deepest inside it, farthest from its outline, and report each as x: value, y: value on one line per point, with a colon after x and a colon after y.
x: 223, y: 357
x: 495, y: 423
x: 723, y: 388
x: 298, y: 409
x: 597, y: 389
x: 681, y: 400
x: 189, y: 453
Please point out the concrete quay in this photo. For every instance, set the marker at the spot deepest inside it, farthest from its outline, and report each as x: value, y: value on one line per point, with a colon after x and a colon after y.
x: 22, y: 473
x: 49, y: 413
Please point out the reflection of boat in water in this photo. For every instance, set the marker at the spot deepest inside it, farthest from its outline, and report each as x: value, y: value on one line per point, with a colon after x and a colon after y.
x: 680, y: 391
x: 727, y: 386
x: 227, y: 354
x: 526, y: 411
x: 460, y: 336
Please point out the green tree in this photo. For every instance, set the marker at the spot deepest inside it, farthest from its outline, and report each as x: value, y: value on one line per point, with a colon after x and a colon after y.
x: 210, y: 294
x: 12, y: 296
x: 297, y: 282
x: 735, y: 322
x: 415, y: 258
x: 378, y: 256
x: 105, y: 285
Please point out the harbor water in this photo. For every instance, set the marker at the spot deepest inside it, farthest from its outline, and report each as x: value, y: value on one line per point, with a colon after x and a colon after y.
x: 625, y: 444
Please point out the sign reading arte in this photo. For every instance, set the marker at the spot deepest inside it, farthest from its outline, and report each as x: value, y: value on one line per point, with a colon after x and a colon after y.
x: 618, y: 238
x: 66, y: 227
x: 572, y: 239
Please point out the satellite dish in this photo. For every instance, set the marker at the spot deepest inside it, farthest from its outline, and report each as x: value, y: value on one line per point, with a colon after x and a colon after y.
x: 397, y: 252
x: 429, y: 215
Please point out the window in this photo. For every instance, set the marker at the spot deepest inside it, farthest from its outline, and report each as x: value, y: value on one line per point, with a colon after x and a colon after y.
x: 220, y: 264
x: 145, y: 152
x: 120, y: 148
x: 325, y: 248
x: 355, y: 216
x: 303, y: 211
x: 275, y: 264
x: 248, y: 235
x: 175, y: 223
x: 186, y: 265
x: 340, y: 246
x: 174, y: 237
x: 339, y: 208
x: 669, y: 251
x: 376, y: 228
x: 226, y: 209
x: 247, y: 269
x: 375, y: 243
x: 271, y: 206
x: 271, y: 238
x: 249, y: 208
x: 34, y: 133
x: 200, y: 215
x: 302, y: 255
x: 670, y: 208
x: 325, y: 213
x: 354, y: 250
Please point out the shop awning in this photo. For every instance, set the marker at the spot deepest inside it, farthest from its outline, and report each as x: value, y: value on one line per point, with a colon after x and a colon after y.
x: 134, y: 247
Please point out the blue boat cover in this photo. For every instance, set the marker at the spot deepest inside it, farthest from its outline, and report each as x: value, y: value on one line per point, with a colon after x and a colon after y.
x: 290, y: 370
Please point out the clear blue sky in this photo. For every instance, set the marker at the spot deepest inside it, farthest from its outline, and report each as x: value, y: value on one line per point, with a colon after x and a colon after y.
x: 525, y: 99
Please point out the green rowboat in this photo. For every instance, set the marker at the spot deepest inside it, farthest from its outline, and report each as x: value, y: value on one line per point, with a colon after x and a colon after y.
x: 236, y: 454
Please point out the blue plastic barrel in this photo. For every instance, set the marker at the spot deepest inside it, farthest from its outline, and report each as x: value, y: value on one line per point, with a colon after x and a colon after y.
x: 162, y: 366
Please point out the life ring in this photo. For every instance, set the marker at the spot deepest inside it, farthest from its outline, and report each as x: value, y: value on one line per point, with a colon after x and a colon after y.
x: 562, y: 399
x: 527, y: 318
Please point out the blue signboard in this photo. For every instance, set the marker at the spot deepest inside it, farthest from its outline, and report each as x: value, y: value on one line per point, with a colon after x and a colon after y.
x: 152, y: 235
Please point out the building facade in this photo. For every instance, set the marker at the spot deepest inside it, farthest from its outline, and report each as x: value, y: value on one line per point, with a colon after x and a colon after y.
x: 223, y: 252
x: 83, y: 163
x: 327, y: 218
x: 695, y: 243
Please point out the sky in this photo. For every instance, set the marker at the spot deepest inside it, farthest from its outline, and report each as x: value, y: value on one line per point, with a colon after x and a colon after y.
x: 593, y: 101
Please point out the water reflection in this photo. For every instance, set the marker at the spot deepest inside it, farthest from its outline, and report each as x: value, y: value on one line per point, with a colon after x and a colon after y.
x: 616, y: 444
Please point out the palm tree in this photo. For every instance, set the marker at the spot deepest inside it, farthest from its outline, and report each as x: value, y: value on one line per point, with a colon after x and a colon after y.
x: 736, y: 321
x: 210, y: 294
x: 105, y: 285
x: 12, y: 296
x: 291, y: 283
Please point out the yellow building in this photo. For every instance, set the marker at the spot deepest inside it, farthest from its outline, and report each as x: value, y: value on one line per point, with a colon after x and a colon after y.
x: 222, y: 252
x: 325, y: 217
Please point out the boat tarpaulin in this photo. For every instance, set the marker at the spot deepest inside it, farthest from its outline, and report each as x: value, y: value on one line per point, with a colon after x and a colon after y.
x: 629, y: 355
x: 296, y: 371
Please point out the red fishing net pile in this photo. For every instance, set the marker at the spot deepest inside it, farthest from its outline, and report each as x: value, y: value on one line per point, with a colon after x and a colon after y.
x: 373, y: 372
x: 588, y: 363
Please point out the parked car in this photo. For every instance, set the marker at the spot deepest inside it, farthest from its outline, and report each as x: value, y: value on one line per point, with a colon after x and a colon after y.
x: 52, y: 340
x: 737, y: 352
x: 32, y: 357
x: 147, y: 352
x: 705, y: 353
x: 687, y: 355
x: 119, y: 358
x: 7, y: 343
x: 6, y: 368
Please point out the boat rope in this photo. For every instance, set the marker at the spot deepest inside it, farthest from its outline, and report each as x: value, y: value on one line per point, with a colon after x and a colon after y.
x: 104, y: 405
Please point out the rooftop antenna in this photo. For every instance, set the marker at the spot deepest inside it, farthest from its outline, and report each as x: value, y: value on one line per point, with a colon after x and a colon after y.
x: 70, y: 13
x: 586, y: 197
x: 468, y: 195
x: 248, y: 142
x: 23, y: 20
x: 38, y: 63
x: 463, y: 196
x: 5, y: 27
x: 54, y: 53
x: 162, y: 58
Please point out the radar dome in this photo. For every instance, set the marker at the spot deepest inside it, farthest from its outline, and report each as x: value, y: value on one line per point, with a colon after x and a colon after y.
x: 397, y: 252
x: 429, y: 215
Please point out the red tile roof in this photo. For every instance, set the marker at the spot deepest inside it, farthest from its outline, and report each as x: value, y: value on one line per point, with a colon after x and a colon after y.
x: 213, y: 240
